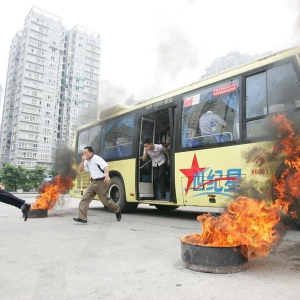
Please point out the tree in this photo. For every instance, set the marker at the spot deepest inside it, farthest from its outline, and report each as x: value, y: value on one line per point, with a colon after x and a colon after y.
x: 10, y: 177
x: 21, y: 178
x: 52, y: 173
x: 34, y: 178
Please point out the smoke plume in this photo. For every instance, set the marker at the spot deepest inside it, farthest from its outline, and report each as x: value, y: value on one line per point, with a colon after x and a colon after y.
x: 110, y: 95
x: 64, y: 161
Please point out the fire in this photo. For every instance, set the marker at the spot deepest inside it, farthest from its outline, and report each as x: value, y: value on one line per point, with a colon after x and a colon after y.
x: 250, y: 223
x: 247, y: 222
x: 287, y: 184
x: 48, y: 198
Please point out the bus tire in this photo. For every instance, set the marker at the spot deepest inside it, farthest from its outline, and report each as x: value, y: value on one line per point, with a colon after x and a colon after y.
x: 166, y: 207
x: 117, y: 193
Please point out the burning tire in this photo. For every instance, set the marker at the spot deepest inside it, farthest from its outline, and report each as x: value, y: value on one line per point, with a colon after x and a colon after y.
x: 218, y: 260
x: 37, y: 213
x: 117, y: 193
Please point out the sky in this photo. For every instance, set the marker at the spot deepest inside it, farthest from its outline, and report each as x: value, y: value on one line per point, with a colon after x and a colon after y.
x: 152, y: 47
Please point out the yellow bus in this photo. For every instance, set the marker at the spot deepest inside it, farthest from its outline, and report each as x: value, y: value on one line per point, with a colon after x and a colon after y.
x: 207, y: 169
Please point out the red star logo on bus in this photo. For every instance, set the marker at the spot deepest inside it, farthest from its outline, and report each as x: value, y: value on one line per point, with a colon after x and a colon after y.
x: 189, y: 173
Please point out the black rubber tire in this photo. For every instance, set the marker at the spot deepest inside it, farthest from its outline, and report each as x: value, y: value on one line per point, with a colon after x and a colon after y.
x: 117, y: 193
x: 166, y: 207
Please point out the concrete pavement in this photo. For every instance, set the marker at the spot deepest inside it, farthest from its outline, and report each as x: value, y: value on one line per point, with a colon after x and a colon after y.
x: 136, y: 258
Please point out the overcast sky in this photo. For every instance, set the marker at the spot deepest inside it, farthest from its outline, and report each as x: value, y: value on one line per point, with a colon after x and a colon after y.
x: 152, y: 47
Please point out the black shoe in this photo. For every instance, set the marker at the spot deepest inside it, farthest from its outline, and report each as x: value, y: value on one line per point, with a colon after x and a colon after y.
x: 80, y: 220
x: 119, y: 215
x: 25, y: 209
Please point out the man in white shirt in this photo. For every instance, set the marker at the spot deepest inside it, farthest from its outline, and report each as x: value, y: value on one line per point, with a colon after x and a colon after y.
x: 99, y: 185
x: 157, y: 154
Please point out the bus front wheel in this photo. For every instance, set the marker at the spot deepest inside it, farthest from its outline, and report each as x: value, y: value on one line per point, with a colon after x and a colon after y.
x: 117, y: 193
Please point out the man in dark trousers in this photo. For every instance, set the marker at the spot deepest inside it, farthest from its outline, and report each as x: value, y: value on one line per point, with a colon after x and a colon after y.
x: 99, y: 185
x: 10, y: 199
x: 159, y: 163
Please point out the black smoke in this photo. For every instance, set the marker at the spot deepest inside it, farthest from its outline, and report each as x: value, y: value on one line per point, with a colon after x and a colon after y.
x: 63, y: 165
x: 64, y: 160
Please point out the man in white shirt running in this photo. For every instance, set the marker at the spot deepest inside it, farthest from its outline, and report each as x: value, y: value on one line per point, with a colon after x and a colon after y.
x: 157, y: 154
x: 99, y: 185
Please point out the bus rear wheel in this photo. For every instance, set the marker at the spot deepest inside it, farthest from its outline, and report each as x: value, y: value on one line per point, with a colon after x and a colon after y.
x: 166, y: 207
x: 117, y: 193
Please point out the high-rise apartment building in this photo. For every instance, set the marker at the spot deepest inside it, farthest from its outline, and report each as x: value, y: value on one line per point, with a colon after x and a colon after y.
x: 51, y: 88
x: 80, y: 82
x: 9, y: 98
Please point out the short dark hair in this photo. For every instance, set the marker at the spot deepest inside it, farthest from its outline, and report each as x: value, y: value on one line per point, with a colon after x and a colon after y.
x: 148, y: 141
x: 168, y: 128
x: 90, y: 149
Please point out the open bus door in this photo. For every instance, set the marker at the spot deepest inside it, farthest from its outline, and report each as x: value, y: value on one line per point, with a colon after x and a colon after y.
x: 146, y: 190
x: 153, y: 126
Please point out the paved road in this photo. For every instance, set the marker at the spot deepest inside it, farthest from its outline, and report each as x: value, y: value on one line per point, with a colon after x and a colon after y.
x: 137, y: 258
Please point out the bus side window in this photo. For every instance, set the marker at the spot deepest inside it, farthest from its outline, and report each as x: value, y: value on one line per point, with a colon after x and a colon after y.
x: 218, y: 105
x: 94, y: 139
x: 272, y: 91
x: 117, y: 139
x: 282, y: 88
x: 89, y: 137
x: 256, y: 95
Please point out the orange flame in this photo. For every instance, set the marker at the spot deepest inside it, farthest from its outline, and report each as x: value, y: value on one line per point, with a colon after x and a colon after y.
x: 287, y: 185
x: 58, y: 185
x: 247, y: 223
x: 250, y: 223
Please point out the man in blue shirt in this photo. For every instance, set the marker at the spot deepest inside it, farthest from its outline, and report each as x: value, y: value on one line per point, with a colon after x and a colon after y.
x: 206, y: 120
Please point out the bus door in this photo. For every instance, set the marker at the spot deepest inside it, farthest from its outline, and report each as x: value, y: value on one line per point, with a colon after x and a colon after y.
x: 145, y: 167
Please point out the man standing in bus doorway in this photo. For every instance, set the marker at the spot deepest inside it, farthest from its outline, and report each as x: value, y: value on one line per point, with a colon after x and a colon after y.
x: 157, y: 154
x: 100, y: 181
x: 10, y: 199
x: 207, y: 122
